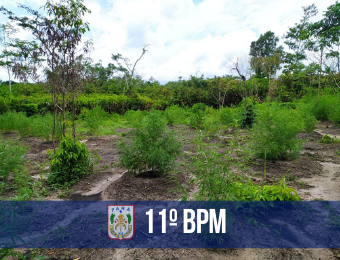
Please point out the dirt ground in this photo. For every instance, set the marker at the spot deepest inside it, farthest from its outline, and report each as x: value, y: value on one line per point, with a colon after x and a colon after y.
x: 315, y: 175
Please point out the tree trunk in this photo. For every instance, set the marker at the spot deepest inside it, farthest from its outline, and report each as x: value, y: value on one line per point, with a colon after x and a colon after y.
x: 54, y: 100
x: 73, y: 117
x: 245, y: 87
x: 320, y: 70
x: 10, y: 82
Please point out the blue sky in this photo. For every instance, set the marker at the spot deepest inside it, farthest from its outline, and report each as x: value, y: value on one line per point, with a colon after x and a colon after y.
x: 186, y: 37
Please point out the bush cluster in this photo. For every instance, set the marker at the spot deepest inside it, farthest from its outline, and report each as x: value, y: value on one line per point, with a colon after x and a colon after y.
x: 214, y: 177
x: 32, y: 105
x: 152, y: 149
x: 275, y: 130
x: 69, y: 163
x: 175, y: 115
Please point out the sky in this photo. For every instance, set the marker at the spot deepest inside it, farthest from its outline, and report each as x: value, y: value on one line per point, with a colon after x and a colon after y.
x: 184, y: 37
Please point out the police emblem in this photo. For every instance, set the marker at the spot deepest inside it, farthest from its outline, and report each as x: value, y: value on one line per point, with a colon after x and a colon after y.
x: 121, y: 222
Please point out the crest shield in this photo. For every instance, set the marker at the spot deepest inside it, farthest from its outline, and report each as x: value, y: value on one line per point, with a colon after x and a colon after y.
x: 121, y: 222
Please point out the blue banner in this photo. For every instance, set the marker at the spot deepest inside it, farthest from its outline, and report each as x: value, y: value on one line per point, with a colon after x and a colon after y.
x: 168, y: 224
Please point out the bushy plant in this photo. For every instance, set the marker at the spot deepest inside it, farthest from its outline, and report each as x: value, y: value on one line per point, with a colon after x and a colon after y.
x: 213, y: 174
x: 211, y: 124
x: 248, y: 191
x: 174, y: 115
x: 11, y: 157
x: 307, y: 116
x: 227, y: 115
x: 334, y: 110
x: 69, y: 163
x: 321, y: 106
x: 42, y: 126
x: 195, y: 120
x: 197, y: 115
x: 199, y: 108
x: 94, y: 119
x: 152, y: 148
x: 274, y: 132
x: 135, y: 118
x: 280, y: 192
x: 248, y: 117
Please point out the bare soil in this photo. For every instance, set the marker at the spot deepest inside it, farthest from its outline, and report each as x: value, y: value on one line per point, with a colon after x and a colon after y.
x: 315, y: 175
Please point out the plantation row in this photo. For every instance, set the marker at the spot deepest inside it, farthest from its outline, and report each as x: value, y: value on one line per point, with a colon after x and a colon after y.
x: 110, y: 103
x: 281, y: 120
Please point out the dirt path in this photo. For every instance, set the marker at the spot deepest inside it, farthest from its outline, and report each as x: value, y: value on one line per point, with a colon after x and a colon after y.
x: 325, y: 186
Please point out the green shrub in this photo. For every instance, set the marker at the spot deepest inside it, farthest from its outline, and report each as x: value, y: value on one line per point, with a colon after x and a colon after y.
x: 321, y: 106
x: 214, y: 177
x: 195, y: 120
x: 326, y: 139
x: 252, y: 192
x: 227, y: 115
x: 248, y: 117
x: 174, y: 115
x: 42, y: 126
x: 211, y: 125
x: 211, y: 174
x: 199, y: 108
x: 69, y: 163
x: 135, y: 118
x: 334, y: 110
x: 152, y: 148
x: 11, y: 157
x: 197, y: 115
x: 280, y: 192
x: 307, y: 116
x: 94, y: 119
x: 275, y: 132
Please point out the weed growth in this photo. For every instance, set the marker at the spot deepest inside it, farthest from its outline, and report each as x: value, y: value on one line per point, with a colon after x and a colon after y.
x: 326, y: 139
x: 152, y: 148
x: 12, y: 157
x: 248, y: 117
x: 197, y: 115
x: 94, y: 119
x: 69, y: 163
x: 174, y: 115
x: 216, y: 181
x: 275, y: 132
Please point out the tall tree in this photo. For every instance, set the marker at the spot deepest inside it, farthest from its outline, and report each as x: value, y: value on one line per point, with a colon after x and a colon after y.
x: 296, y: 41
x: 25, y: 60
x: 323, y: 35
x: 59, y: 35
x: 6, y: 33
x: 328, y: 31
x: 264, y: 47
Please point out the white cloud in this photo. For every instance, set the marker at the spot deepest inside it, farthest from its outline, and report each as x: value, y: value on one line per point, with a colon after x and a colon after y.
x: 184, y: 37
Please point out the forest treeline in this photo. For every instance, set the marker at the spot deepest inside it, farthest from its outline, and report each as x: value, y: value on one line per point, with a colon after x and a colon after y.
x: 310, y: 63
